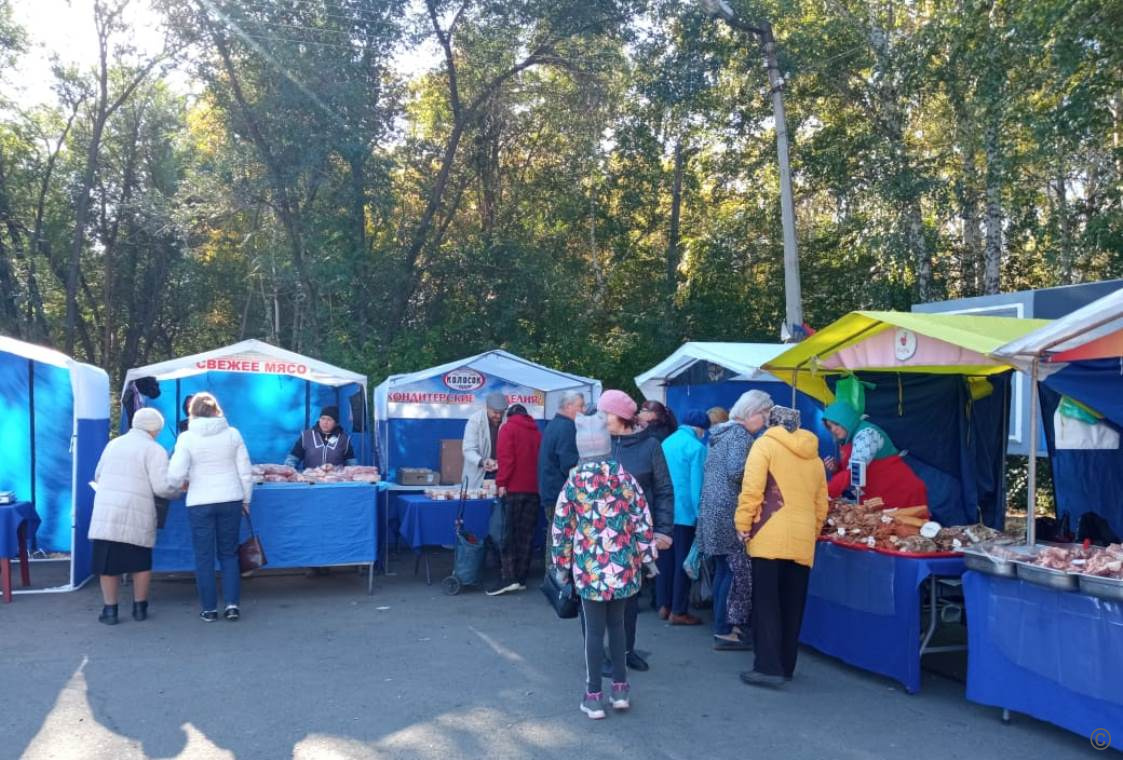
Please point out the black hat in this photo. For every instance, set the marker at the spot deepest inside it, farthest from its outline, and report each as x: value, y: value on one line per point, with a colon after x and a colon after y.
x: 187, y: 404
x: 331, y: 411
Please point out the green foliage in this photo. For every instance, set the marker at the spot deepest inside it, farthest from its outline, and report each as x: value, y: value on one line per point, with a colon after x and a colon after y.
x: 519, y: 193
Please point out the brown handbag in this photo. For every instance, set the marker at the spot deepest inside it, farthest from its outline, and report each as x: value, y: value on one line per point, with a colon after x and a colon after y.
x: 251, y: 554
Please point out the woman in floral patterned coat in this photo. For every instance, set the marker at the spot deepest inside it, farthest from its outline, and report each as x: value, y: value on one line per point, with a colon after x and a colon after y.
x: 602, y: 538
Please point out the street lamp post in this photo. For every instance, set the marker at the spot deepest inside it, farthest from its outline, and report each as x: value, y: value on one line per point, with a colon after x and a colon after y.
x: 793, y: 300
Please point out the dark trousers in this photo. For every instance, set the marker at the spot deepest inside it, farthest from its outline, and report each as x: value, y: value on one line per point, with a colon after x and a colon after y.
x: 723, y: 580
x: 522, y: 519
x: 672, y: 585
x: 601, y: 618
x: 214, y: 530
x: 631, y: 615
x: 779, y: 593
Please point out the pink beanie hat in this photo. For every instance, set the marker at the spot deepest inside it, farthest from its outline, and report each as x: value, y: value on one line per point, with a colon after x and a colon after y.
x: 618, y: 403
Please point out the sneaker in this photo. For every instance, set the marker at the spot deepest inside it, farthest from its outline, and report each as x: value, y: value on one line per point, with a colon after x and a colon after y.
x: 621, y: 694
x: 231, y: 612
x: 209, y: 616
x: 591, y: 705
x: 503, y: 587
x: 730, y: 643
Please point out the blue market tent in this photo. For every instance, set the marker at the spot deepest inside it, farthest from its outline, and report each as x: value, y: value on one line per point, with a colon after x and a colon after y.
x: 1080, y: 356
x: 706, y: 374
x: 415, y: 411
x: 268, y: 393
x: 54, y: 422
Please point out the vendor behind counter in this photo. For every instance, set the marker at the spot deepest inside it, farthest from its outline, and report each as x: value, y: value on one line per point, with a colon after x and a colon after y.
x: 324, y: 443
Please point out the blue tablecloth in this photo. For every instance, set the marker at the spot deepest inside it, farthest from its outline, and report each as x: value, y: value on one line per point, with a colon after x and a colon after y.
x: 11, y: 517
x: 864, y: 608
x: 425, y: 522
x: 1055, y: 655
x: 300, y: 526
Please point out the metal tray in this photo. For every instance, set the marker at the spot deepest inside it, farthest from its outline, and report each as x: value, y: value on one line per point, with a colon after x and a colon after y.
x: 989, y: 565
x: 1104, y: 588
x: 1043, y: 576
x: 978, y: 558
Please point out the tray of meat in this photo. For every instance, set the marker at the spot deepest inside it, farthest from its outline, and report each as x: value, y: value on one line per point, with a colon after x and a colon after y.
x: 996, y: 560
x: 1052, y: 567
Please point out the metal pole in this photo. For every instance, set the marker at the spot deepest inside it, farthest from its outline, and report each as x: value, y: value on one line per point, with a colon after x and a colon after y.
x: 793, y: 306
x: 1031, y: 486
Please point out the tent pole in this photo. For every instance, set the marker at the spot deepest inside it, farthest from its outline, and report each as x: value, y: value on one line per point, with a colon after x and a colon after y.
x: 1031, y: 487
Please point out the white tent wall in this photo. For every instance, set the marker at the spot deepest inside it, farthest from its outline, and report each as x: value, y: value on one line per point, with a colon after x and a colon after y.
x: 77, y: 441
x: 414, y: 411
x: 744, y: 360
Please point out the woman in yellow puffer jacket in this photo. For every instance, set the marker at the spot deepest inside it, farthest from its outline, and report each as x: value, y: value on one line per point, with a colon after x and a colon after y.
x: 780, y: 512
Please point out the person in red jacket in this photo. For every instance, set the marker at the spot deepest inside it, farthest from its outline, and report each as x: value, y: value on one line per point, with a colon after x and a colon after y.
x: 517, y: 484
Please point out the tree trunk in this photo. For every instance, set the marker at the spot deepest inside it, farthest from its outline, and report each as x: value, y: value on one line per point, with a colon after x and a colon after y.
x: 918, y: 244
x: 993, y: 257
x: 81, y: 218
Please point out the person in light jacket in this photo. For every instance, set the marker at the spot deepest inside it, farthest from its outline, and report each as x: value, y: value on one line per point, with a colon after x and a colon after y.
x: 780, y: 512
x: 686, y: 460
x: 211, y: 458
x: 481, y: 440
x: 133, y: 469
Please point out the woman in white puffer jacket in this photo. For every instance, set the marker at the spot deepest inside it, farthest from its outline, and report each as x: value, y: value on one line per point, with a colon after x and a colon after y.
x: 212, y: 459
x: 132, y: 471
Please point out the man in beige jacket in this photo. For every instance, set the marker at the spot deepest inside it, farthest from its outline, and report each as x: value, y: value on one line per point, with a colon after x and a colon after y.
x: 481, y: 436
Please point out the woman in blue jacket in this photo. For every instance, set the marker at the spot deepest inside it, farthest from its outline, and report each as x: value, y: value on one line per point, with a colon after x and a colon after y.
x: 686, y: 458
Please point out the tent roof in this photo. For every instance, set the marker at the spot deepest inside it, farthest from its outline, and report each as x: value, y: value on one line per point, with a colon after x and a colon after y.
x: 186, y: 366
x: 968, y: 338
x: 34, y: 352
x: 745, y: 359
x: 1092, y: 332
x: 505, y: 365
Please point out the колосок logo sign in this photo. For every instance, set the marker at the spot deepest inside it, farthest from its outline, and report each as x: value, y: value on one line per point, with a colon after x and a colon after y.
x: 464, y: 380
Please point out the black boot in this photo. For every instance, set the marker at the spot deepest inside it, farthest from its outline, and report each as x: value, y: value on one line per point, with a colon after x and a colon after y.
x: 140, y: 611
x: 108, y: 614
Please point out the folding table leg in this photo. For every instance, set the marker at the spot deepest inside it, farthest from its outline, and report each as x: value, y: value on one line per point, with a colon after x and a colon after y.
x: 24, y: 563
x: 6, y: 579
x: 428, y: 571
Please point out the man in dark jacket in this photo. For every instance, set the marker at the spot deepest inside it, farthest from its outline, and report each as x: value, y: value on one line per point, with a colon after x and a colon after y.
x: 558, y: 453
x: 640, y: 454
x: 323, y: 443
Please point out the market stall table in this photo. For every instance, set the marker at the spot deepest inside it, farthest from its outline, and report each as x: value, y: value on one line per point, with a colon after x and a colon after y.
x: 432, y: 522
x: 18, y: 520
x: 863, y: 607
x: 1054, y: 655
x: 300, y: 525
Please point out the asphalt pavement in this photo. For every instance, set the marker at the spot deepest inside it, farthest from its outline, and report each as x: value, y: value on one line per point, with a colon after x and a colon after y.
x: 316, y: 668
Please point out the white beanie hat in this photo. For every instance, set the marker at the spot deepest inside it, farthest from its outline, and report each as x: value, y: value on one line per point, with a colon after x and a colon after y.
x: 593, y: 439
x: 148, y: 419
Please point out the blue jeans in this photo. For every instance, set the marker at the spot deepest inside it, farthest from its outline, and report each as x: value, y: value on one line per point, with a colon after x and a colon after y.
x: 215, y: 527
x: 672, y: 585
x: 723, y: 580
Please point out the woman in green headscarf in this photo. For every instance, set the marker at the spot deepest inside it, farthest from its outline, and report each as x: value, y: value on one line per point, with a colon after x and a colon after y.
x: 888, y: 476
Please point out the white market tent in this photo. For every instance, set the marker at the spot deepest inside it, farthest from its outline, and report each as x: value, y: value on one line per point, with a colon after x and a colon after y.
x: 54, y: 422
x: 270, y: 394
x: 743, y: 359
x: 497, y: 364
x: 240, y: 357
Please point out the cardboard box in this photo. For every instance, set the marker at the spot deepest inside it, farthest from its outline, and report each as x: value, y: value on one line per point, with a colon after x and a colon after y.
x: 452, y: 461
x: 416, y: 476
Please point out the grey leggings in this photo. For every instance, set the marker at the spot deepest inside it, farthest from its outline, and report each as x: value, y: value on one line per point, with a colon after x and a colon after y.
x: 599, y: 618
